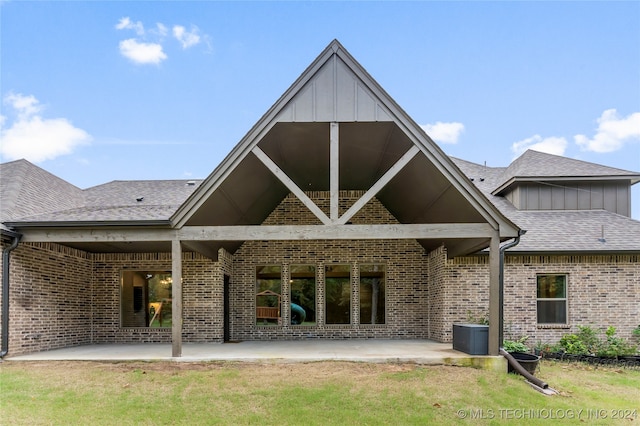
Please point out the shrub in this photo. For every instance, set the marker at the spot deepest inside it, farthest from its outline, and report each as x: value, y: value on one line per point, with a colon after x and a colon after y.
x: 614, y: 346
x: 516, y: 345
x: 573, y: 345
x: 587, y: 342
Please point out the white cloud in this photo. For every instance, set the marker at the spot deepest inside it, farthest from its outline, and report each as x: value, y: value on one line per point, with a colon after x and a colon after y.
x: 35, y: 138
x: 161, y: 29
x: 148, y: 46
x: 612, y: 133
x: 186, y: 38
x: 25, y: 106
x: 444, y: 132
x: 142, y: 53
x: 126, y: 24
x: 553, y: 145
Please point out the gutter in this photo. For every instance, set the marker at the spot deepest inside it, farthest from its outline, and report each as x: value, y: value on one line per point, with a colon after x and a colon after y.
x: 513, y: 243
x: 6, y: 257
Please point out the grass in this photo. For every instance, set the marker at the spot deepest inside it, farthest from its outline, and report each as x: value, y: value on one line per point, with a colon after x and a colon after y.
x: 324, y: 393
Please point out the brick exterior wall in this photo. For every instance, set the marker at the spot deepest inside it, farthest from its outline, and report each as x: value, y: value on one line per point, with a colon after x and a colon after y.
x: 64, y: 297
x: 406, y: 276
x: 201, y: 297
x: 50, y: 298
x: 602, y: 290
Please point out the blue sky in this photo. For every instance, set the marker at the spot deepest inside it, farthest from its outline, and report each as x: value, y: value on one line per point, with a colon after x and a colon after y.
x: 101, y: 91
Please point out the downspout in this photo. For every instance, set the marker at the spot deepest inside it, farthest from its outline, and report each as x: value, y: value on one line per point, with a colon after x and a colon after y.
x: 513, y: 243
x: 6, y: 257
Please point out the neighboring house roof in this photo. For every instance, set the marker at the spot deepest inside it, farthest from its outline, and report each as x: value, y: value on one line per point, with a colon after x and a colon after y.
x: 539, y: 166
x: 558, y: 230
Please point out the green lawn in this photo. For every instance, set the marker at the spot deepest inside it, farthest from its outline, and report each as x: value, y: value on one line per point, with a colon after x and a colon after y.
x: 321, y: 393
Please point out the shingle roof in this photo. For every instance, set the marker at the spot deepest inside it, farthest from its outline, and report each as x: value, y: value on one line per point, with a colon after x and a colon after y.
x: 559, y: 230
x: 26, y: 189
x: 539, y: 165
x: 576, y: 230
x: 31, y: 194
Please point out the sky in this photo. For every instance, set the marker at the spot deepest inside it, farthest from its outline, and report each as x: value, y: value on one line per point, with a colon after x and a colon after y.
x: 126, y: 90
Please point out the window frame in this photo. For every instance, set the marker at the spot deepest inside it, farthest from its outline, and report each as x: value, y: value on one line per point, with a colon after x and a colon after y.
x: 267, y: 322
x: 315, y: 293
x: 383, y: 291
x: 351, y: 290
x: 564, y: 299
x: 145, y: 299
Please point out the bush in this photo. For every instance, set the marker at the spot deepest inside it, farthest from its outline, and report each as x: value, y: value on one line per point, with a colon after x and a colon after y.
x: 614, y: 346
x: 587, y: 342
x: 516, y: 346
x: 573, y: 345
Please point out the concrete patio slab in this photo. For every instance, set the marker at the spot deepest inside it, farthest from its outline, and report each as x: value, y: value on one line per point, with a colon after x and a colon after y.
x: 375, y: 351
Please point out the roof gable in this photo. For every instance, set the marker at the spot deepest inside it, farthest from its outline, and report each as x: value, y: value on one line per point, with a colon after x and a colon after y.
x: 294, y: 148
x: 542, y: 166
x: 335, y: 89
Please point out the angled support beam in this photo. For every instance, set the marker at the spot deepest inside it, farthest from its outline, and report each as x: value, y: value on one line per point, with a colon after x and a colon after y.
x: 277, y: 171
x: 390, y: 174
x: 334, y: 171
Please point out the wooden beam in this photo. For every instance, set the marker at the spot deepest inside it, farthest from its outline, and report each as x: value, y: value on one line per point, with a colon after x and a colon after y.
x: 79, y: 235
x: 176, y: 298
x: 336, y: 232
x: 263, y: 232
x: 494, y: 295
x: 393, y: 171
x: 286, y: 180
x: 334, y: 171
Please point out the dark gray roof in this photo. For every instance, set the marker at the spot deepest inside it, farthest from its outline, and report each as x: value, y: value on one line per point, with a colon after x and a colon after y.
x: 576, y: 230
x: 31, y: 194
x: 548, y: 167
x: 558, y: 230
x: 539, y: 164
x: 26, y: 189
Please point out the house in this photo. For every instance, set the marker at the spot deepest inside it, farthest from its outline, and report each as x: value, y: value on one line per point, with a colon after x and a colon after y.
x: 335, y: 217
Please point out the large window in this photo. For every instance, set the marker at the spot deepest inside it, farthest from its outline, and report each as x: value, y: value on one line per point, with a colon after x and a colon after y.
x: 552, y: 299
x: 145, y: 299
x: 372, y: 294
x: 268, y: 294
x: 303, y: 294
x: 337, y: 294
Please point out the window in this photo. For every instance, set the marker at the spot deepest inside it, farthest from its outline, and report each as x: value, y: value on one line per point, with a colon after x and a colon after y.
x: 145, y: 299
x: 337, y: 296
x: 552, y: 299
x: 372, y: 294
x: 303, y: 294
x: 268, y: 294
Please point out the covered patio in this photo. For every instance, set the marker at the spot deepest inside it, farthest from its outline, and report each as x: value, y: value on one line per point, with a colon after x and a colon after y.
x: 425, y: 352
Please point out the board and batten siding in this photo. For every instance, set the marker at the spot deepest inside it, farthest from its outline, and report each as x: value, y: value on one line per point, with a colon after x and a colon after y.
x: 611, y: 196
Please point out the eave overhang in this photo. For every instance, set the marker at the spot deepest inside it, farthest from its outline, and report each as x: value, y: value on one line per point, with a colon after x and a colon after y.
x: 632, y: 178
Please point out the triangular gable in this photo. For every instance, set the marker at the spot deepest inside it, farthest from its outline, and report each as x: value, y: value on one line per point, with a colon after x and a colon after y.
x: 336, y: 90
x: 333, y: 89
